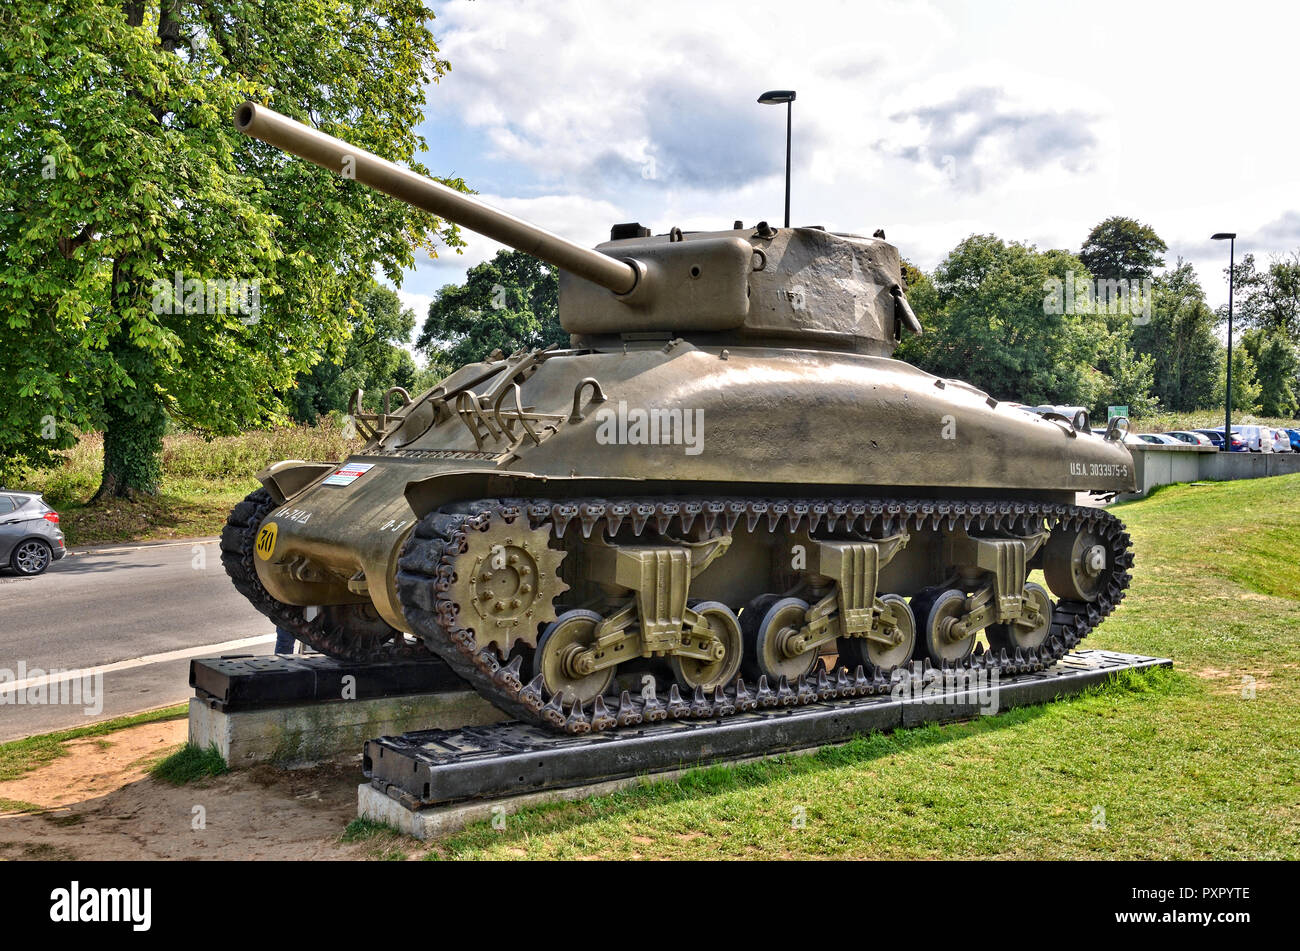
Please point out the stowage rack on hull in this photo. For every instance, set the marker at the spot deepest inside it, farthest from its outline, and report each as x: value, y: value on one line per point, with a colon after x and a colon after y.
x: 463, y: 568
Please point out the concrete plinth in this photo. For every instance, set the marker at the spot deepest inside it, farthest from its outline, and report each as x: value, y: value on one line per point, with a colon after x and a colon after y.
x: 433, y: 782
x: 438, y: 821
x: 304, y: 734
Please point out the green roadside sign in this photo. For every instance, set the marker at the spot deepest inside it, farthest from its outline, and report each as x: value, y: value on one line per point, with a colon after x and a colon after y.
x: 1113, y: 411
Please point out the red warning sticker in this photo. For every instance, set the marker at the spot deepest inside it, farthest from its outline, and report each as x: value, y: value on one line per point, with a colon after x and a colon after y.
x: 346, y: 475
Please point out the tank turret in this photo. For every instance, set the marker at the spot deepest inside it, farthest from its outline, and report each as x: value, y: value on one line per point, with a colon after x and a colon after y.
x: 742, y: 286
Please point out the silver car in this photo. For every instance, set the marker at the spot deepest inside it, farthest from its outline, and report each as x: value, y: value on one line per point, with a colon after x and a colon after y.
x: 30, y: 539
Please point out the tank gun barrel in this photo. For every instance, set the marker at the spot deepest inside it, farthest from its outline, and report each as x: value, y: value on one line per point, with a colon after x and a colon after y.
x: 405, y: 185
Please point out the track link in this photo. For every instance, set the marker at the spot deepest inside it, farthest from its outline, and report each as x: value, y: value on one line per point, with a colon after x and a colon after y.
x: 427, y: 569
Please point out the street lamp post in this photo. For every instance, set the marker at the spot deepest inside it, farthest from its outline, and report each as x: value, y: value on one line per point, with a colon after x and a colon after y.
x: 772, y: 98
x: 1231, y: 238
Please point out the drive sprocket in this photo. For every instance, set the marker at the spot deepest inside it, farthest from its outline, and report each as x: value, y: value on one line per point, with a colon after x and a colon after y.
x: 506, y: 582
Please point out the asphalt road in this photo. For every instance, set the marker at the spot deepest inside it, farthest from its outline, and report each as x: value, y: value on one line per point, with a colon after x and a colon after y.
x: 134, y: 614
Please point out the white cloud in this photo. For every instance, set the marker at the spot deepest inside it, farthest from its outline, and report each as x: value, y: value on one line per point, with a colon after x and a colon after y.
x: 1152, y: 112
x: 416, y: 302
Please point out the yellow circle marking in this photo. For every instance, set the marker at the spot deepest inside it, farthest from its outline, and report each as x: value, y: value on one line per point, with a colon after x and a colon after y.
x: 265, y: 546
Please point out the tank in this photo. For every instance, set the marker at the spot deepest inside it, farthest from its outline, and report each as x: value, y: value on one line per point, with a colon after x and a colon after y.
x: 724, y: 493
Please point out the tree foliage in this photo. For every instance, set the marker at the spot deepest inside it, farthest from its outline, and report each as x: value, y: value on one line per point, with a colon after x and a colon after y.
x: 1277, y: 370
x: 372, y: 358
x: 1245, y: 388
x: 508, y: 303
x: 1179, y: 337
x: 1122, y: 248
x: 125, y: 172
x: 987, y: 322
x: 1268, y: 298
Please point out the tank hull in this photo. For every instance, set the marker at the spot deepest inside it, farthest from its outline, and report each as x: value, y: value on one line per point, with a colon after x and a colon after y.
x: 678, y: 419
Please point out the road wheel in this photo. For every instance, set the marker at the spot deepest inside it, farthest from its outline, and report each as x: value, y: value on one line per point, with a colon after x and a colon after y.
x: 691, y: 673
x: 873, y: 655
x: 565, y: 638
x: 933, y: 637
x: 1012, y: 636
x: 31, y: 557
x: 763, y: 642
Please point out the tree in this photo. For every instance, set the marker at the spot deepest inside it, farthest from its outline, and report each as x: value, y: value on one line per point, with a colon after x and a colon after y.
x: 372, y: 358
x: 131, y: 207
x: 1268, y: 298
x: 508, y: 303
x: 912, y: 275
x: 1122, y: 248
x: 1277, y: 366
x: 1127, y: 379
x: 1245, y: 389
x: 1179, y: 338
x: 988, y: 322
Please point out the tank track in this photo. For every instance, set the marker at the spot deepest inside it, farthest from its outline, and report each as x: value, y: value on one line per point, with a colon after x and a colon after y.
x: 328, y: 634
x: 427, y: 568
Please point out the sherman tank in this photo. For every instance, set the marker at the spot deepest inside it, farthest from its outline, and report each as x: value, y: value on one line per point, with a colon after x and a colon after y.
x: 723, y: 494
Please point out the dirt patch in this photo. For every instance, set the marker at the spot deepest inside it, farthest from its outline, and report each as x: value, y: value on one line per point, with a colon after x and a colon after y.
x: 101, y: 804
x: 1230, y: 683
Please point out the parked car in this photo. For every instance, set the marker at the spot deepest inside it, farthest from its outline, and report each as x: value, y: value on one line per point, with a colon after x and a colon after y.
x: 1159, y: 439
x: 30, y: 539
x: 1192, y: 438
x: 1281, y: 441
x: 1216, y: 436
x: 1253, y: 437
x: 1294, y: 436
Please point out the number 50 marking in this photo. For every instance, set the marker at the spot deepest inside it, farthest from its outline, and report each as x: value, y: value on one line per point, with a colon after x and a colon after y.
x: 265, y: 546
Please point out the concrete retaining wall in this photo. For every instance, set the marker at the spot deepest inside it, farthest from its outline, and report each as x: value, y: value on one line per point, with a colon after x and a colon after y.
x: 1165, y: 465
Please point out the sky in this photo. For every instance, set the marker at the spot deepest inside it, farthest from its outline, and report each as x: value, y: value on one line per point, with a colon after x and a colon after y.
x: 934, y: 121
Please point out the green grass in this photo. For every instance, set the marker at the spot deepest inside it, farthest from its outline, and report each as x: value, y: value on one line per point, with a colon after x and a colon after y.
x: 189, y: 763
x: 383, y: 842
x: 18, y: 805
x: 1171, y: 764
x: 22, y: 756
x: 202, y: 480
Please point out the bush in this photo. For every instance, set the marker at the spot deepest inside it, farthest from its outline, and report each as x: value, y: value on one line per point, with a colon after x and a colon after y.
x: 189, y: 458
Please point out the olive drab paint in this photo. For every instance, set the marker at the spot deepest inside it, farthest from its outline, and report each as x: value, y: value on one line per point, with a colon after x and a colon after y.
x: 752, y: 364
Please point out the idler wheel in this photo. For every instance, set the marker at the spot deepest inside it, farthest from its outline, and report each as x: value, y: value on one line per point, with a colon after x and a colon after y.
x: 939, y: 638
x: 766, y: 637
x: 873, y: 655
x: 725, y: 626
x: 557, y: 659
x: 1024, y: 634
x: 1076, y: 565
